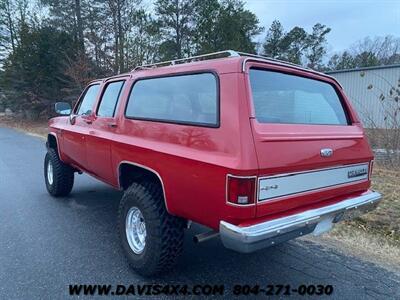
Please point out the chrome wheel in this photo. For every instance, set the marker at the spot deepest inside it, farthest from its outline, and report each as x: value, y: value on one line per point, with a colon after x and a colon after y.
x: 135, y: 229
x: 50, y: 172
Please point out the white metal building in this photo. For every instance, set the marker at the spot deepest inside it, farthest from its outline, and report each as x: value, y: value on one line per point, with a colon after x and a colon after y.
x: 364, y: 87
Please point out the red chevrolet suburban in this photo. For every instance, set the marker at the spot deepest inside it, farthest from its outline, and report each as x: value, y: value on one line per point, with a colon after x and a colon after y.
x: 258, y: 150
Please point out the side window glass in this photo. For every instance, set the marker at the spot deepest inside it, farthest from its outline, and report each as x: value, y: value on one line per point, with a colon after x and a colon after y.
x: 110, y: 98
x: 184, y: 99
x: 86, y: 105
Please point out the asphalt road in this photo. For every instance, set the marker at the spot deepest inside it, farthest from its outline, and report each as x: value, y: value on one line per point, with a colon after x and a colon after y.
x: 47, y: 244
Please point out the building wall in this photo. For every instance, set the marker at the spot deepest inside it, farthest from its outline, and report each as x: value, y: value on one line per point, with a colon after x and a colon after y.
x: 370, y: 108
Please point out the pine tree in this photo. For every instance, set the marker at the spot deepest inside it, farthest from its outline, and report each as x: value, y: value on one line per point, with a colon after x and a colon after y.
x: 175, y: 18
x: 273, y: 41
x: 316, y: 46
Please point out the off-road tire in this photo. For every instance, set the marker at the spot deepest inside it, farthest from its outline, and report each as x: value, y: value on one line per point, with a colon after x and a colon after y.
x: 63, y: 175
x: 164, y: 238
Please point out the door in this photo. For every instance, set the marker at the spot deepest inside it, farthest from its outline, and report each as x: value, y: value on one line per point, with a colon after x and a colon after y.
x: 102, y: 132
x: 74, y: 134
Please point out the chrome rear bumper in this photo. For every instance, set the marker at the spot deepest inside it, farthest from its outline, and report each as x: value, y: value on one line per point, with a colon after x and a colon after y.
x: 317, y: 221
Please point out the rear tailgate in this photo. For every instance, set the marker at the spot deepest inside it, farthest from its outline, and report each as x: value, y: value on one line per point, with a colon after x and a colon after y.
x: 308, y: 149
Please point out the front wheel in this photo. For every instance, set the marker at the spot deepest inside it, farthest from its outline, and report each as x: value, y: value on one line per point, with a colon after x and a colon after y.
x: 59, y: 177
x: 151, y: 238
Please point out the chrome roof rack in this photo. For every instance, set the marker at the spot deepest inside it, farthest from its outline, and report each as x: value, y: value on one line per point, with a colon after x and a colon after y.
x: 222, y: 54
x: 219, y: 54
x: 269, y: 59
x: 281, y: 62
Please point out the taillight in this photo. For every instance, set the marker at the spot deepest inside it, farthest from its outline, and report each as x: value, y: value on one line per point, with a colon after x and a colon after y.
x: 241, y: 190
x: 371, y: 165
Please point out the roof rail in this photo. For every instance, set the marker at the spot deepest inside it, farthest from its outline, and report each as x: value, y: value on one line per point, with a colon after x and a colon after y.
x: 282, y: 62
x: 219, y: 54
x: 269, y: 59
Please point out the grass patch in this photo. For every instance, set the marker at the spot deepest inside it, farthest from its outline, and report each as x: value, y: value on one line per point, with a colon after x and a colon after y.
x: 34, y: 127
x: 384, y: 222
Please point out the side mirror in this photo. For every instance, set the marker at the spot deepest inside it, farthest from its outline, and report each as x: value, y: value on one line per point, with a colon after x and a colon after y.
x: 63, y: 108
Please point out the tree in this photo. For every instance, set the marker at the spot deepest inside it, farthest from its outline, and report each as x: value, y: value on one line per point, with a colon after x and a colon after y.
x: 294, y: 44
x: 122, y: 14
x: 69, y: 16
x: 34, y: 73
x: 366, y: 59
x: 341, y: 61
x: 143, y: 41
x: 237, y: 27
x: 175, y: 18
x: 316, y: 46
x: 206, y: 16
x: 383, y: 50
x: 225, y: 25
x: 98, y: 38
x: 13, y: 15
x: 368, y: 52
x: 7, y: 26
x: 297, y: 46
x: 272, y: 46
x: 79, y: 27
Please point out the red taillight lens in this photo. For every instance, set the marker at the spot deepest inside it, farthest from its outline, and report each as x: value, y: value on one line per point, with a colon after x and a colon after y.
x: 241, y: 190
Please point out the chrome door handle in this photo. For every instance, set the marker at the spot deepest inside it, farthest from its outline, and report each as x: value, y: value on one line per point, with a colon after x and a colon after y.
x: 112, y: 125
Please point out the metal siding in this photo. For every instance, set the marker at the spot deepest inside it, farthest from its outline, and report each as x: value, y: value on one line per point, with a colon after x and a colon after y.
x: 365, y: 101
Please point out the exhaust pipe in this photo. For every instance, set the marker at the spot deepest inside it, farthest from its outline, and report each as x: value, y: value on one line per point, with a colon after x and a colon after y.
x: 205, y: 236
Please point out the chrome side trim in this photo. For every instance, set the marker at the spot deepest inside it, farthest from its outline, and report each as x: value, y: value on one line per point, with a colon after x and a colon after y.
x: 148, y: 169
x: 284, y: 176
x: 265, y: 234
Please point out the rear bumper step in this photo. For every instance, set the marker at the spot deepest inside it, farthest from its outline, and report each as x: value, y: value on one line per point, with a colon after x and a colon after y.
x: 317, y: 221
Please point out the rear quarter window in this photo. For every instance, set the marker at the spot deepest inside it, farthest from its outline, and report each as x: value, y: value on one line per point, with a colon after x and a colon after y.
x: 182, y: 99
x: 290, y: 99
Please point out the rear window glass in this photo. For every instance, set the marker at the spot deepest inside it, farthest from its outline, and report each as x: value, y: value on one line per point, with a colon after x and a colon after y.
x: 190, y: 99
x: 290, y: 99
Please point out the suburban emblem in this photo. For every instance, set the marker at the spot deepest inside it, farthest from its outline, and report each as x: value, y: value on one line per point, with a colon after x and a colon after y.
x: 357, y: 173
x: 326, y: 152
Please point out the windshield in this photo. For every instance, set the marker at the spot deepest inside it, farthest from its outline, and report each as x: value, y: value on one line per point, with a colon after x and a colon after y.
x: 290, y: 99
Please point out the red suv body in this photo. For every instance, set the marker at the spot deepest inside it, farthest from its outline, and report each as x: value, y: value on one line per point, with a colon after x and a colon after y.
x: 258, y: 150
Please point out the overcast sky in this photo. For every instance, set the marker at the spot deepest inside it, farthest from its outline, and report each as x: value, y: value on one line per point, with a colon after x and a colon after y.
x: 350, y: 20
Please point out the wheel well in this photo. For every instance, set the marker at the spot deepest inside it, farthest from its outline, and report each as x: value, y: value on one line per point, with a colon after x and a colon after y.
x: 129, y: 173
x: 51, y: 141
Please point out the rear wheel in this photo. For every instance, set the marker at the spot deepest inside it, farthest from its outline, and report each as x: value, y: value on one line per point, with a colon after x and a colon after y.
x: 151, y: 238
x: 59, y: 177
